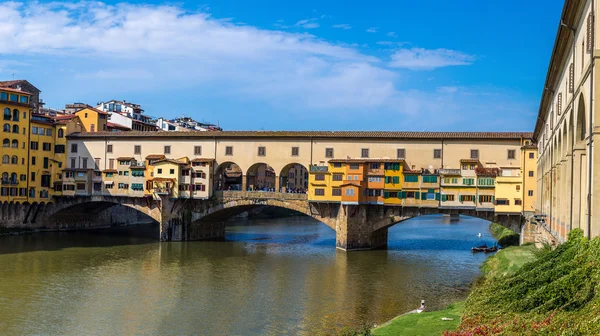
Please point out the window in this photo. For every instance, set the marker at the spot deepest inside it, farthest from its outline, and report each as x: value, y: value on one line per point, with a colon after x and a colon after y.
x: 262, y: 151
x: 137, y: 186
x: 109, y: 148
x: 15, y: 144
x: 45, y: 181
x: 33, y: 160
x: 437, y: 153
x: 338, y: 177
x: 159, y: 170
x: 447, y: 198
x: 530, y: 193
x: 69, y: 174
x: 349, y: 191
x: 6, y: 128
x: 96, y: 163
x: 22, y: 177
x: 354, y: 166
x: 468, y: 181
x: 123, y: 186
x: 32, y: 176
x: 15, y: 129
x: 474, y: 153
x: 401, y: 153
x: 518, y: 202
x: 485, y: 198
x: 34, y: 130
x: 328, y: 152
x: 485, y: 181
x: 34, y: 145
x: 375, y: 179
x: 319, y: 177
x: 319, y: 192
x: 518, y: 187
x: 46, y: 146
x: 336, y: 192
x: 429, y: 179
x: 411, y: 178
x: 466, y: 198
x: 337, y: 165
x: 502, y: 202
x: 229, y: 150
x: 392, y: 166
x: 172, y: 171
x: 61, y: 133
x: 49, y: 132
x: 511, y: 154
x: 167, y: 149
x: 137, y: 149
x: 364, y: 153
x: 84, y: 163
x: 73, y: 148
x: 295, y: 151
x: 59, y: 149
x: 111, y: 163
x: 7, y: 114
x: 197, y: 150
x: 46, y: 163
x: 532, y: 155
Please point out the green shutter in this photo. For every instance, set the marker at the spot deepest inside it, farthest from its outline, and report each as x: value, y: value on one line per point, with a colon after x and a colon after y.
x: 431, y: 191
x: 423, y: 196
x: 444, y: 197
x: 417, y: 195
x: 437, y: 196
x: 386, y: 194
x: 396, y: 179
x: 396, y: 166
x: 460, y: 198
x: 402, y: 194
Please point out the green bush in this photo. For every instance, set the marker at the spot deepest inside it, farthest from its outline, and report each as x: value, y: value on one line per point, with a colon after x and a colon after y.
x: 558, y: 294
x: 504, y: 236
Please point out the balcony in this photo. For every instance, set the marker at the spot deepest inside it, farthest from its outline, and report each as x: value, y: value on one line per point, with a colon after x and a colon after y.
x: 319, y: 169
x: 454, y: 172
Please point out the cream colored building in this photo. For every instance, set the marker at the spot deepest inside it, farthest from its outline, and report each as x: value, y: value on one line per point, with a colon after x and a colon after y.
x: 283, y: 151
x: 566, y: 131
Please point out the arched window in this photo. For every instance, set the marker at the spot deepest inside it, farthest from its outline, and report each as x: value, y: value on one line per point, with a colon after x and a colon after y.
x: 15, y: 115
x: 5, y: 159
x: 15, y: 144
x: 4, y: 176
x: 6, y: 128
x: 14, y: 160
x: 5, y: 143
x: 61, y: 133
x: 7, y: 114
x: 16, y: 129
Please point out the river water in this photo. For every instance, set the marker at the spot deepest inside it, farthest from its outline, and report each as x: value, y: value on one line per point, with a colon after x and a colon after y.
x: 270, y: 277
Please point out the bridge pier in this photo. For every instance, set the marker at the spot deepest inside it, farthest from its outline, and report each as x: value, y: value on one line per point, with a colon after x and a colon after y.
x: 355, y: 229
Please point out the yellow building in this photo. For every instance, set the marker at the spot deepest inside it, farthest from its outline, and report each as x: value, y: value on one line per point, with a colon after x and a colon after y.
x: 321, y: 185
x: 393, y: 179
x: 529, y: 162
x: 509, y: 193
x: 92, y: 119
x: 16, y: 107
x: 41, y: 159
x: 167, y: 174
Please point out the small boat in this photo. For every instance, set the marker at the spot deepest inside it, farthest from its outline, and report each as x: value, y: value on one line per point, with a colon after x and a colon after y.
x: 484, y: 248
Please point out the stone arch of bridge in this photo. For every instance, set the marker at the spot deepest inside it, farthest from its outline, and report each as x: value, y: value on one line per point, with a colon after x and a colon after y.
x: 261, y: 175
x: 222, y: 212
x: 228, y: 176
x: 299, y: 180
x: 91, y: 213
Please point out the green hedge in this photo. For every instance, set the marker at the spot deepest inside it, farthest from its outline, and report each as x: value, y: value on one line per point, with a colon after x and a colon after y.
x: 504, y: 236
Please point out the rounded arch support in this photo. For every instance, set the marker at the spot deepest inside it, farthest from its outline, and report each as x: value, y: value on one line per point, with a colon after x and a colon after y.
x: 293, y: 178
x: 228, y: 176
x: 261, y: 176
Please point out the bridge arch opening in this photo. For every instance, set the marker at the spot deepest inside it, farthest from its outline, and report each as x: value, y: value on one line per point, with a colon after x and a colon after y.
x: 228, y: 176
x: 294, y: 178
x: 261, y: 176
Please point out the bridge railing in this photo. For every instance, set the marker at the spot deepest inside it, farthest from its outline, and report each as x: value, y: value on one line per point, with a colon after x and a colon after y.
x: 259, y: 195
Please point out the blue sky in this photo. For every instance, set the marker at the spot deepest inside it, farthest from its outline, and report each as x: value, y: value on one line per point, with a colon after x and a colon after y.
x: 302, y: 65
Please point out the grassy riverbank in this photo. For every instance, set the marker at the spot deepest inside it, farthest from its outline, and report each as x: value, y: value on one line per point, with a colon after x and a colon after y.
x: 558, y: 293
x: 423, y: 324
x: 505, y: 262
x: 504, y: 236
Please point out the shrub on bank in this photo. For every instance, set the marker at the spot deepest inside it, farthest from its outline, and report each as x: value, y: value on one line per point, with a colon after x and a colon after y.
x: 558, y: 293
x: 504, y: 236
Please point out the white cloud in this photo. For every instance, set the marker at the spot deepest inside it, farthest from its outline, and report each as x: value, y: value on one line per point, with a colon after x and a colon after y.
x: 372, y: 30
x: 344, y: 26
x: 429, y: 59
x: 447, y: 89
x: 308, y: 23
x: 156, y: 47
x: 391, y: 34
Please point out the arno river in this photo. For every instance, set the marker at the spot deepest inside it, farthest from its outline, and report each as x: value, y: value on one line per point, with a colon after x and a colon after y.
x: 271, y: 277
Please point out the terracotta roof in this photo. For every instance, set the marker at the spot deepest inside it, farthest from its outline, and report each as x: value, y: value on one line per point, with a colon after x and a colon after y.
x: 356, y: 184
x: 308, y: 134
x: 469, y: 161
x: 88, y: 107
x: 64, y: 117
x: 109, y: 171
x: 155, y: 157
x: 365, y: 160
x: 412, y: 172
x: 158, y: 179
x: 203, y: 160
x: 125, y: 158
x: 113, y: 125
x: 16, y: 81
x: 487, y: 171
x: 529, y: 147
x: 170, y: 161
x: 14, y: 90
